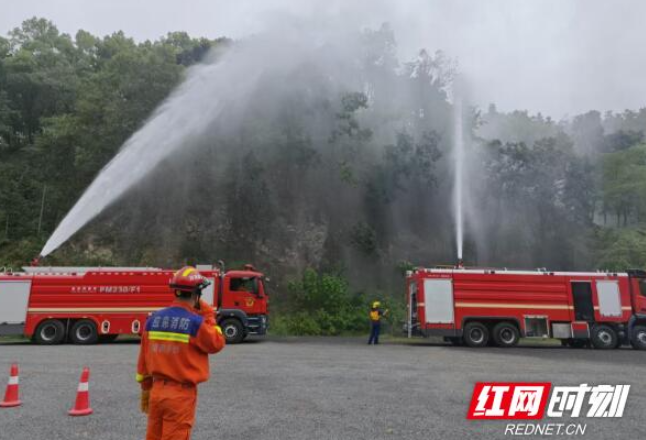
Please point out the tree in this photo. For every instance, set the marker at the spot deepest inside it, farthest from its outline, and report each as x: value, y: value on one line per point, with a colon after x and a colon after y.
x: 587, y: 133
x: 624, y: 184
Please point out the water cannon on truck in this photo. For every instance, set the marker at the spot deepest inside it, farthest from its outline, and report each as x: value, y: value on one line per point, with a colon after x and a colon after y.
x: 85, y: 305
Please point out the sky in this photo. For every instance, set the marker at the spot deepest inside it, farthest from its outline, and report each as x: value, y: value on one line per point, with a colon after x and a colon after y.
x: 558, y: 57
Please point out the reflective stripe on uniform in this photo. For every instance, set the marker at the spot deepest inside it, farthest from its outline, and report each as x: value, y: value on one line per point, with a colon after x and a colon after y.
x: 218, y: 329
x: 139, y: 377
x: 168, y: 336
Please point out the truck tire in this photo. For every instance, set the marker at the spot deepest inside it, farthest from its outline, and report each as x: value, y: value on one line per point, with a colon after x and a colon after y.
x: 232, y: 330
x: 84, y: 332
x: 50, y: 332
x: 638, y: 339
x: 476, y: 334
x: 505, y: 334
x: 603, y: 337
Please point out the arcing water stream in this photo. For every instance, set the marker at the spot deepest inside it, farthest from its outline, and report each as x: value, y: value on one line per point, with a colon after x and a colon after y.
x: 180, y: 120
x: 212, y: 98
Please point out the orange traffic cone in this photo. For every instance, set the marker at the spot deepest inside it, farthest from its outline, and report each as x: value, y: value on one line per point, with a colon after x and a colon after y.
x: 11, y: 396
x: 82, y: 406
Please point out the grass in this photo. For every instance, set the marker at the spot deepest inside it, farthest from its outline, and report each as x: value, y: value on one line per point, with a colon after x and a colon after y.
x: 12, y: 339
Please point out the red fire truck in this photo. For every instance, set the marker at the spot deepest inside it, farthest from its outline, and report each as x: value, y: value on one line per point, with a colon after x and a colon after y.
x: 85, y: 305
x: 480, y: 307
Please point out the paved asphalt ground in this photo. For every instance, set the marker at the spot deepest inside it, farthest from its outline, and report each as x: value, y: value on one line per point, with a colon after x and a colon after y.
x: 312, y: 388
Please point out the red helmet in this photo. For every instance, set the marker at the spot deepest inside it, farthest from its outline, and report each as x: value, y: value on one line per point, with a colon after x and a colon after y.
x: 188, y: 280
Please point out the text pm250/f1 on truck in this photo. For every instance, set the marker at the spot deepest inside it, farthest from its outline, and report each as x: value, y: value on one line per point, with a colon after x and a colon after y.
x: 480, y: 307
x: 85, y: 305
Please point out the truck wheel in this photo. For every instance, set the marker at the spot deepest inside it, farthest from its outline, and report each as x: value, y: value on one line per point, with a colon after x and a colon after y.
x: 50, y: 332
x: 506, y: 334
x: 476, y: 334
x: 603, y: 337
x: 84, y: 332
x: 638, y: 340
x: 232, y: 330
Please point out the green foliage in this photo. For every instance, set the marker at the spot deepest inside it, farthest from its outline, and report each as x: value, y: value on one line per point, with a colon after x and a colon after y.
x: 16, y: 254
x: 587, y: 133
x: 321, y: 304
x: 515, y: 127
x: 624, y: 184
x: 348, y: 137
x: 530, y: 191
x: 622, y: 249
x: 622, y: 140
x: 363, y: 238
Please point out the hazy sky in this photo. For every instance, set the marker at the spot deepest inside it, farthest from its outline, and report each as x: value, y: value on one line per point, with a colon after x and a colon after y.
x: 555, y: 56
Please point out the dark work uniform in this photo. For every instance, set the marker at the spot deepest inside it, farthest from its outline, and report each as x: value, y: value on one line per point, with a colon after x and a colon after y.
x: 375, y: 325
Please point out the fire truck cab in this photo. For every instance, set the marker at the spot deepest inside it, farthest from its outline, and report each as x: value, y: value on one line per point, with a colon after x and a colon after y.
x: 480, y: 307
x: 85, y: 305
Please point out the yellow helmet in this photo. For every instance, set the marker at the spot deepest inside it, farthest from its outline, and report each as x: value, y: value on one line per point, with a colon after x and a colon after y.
x: 376, y: 304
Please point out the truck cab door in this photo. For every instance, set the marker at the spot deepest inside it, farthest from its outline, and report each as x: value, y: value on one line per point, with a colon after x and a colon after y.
x: 639, y: 296
x: 243, y: 293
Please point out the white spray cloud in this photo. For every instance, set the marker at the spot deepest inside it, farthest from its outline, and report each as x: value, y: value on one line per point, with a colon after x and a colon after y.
x: 557, y: 57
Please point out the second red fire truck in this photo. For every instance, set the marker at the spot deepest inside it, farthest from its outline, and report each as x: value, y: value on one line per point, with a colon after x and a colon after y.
x: 480, y: 307
x: 86, y: 305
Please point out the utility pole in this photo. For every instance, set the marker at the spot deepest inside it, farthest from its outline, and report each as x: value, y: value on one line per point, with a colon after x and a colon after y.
x: 42, y: 209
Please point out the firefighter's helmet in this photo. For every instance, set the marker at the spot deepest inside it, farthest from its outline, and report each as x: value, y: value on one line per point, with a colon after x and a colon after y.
x: 188, y: 280
x: 376, y: 305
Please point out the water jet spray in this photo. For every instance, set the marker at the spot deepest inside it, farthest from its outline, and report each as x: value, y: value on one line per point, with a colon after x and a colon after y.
x: 458, y: 157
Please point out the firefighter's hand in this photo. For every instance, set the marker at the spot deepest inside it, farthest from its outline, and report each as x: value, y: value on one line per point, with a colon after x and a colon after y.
x: 145, y: 401
x: 206, y: 310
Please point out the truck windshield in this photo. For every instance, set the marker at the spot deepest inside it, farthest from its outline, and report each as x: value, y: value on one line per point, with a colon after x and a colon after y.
x: 642, y: 286
x: 246, y: 284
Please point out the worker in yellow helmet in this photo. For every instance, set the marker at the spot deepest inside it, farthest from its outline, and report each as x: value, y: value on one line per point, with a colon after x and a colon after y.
x: 376, y: 313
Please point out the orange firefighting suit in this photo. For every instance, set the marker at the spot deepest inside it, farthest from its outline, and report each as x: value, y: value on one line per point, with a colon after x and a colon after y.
x: 173, y: 359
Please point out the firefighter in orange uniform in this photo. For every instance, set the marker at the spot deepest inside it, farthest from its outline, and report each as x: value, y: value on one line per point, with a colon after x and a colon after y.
x: 174, y: 357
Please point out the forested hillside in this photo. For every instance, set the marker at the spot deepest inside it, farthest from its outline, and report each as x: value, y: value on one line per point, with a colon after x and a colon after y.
x: 332, y: 194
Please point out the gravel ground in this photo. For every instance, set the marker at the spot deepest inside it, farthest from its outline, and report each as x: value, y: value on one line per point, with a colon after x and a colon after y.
x: 312, y: 388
